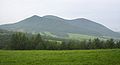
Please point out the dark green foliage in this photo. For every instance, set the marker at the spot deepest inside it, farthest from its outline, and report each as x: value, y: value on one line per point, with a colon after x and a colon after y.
x: 90, y: 44
x: 83, y: 45
x: 118, y: 44
x: 110, y: 44
x: 21, y: 41
x: 63, y: 46
x: 38, y: 42
x: 4, y: 38
x: 51, y: 45
x: 97, y: 44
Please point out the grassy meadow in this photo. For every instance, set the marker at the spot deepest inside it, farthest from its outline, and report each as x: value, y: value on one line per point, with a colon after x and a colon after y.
x: 60, y: 57
x: 80, y: 36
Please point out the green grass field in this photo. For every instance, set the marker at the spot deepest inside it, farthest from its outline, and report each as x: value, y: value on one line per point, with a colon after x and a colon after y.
x: 80, y: 36
x: 85, y: 37
x: 60, y: 57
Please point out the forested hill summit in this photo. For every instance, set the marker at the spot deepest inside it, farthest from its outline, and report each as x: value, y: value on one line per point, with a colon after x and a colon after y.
x: 58, y: 26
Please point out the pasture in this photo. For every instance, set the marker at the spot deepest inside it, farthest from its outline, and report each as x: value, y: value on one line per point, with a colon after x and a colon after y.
x: 60, y: 57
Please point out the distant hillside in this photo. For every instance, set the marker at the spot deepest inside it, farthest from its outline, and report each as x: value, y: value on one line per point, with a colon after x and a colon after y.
x: 60, y: 26
x: 4, y: 37
x: 2, y: 31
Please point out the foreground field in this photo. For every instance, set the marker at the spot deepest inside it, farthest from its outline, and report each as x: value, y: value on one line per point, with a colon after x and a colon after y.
x: 64, y: 57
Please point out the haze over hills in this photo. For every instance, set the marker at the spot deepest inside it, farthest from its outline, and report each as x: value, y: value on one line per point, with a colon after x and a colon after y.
x: 59, y: 26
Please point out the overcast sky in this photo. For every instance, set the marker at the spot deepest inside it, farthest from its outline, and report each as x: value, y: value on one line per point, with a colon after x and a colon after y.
x: 106, y: 12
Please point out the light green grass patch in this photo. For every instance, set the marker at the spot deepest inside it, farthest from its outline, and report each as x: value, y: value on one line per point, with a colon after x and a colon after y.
x: 80, y: 36
x: 60, y: 57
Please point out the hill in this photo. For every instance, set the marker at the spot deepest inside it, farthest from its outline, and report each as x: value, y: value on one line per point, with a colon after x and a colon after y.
x: 60, y: 27
x: 4, y: 37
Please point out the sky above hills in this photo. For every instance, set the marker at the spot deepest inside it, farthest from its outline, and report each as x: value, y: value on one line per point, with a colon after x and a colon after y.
x: 106, y: 12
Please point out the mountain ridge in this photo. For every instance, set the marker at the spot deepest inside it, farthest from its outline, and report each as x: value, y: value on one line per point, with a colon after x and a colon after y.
x: 57, y: 25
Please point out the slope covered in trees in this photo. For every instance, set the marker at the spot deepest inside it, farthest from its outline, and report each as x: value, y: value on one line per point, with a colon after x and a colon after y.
x: 4, y: 37
x: 21, y: 41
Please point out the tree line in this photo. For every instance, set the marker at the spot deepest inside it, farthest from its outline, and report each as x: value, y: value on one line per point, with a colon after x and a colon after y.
x: 22, y: 41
